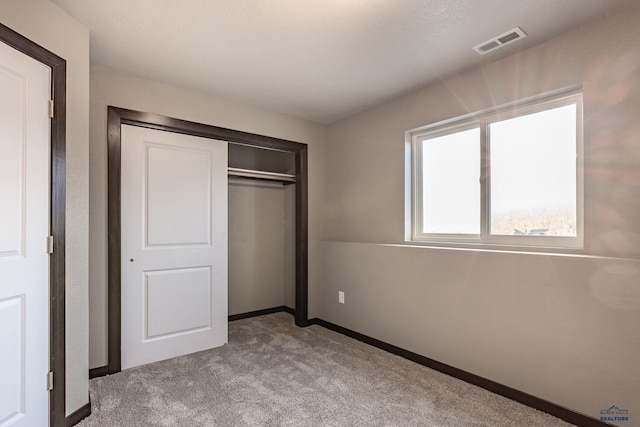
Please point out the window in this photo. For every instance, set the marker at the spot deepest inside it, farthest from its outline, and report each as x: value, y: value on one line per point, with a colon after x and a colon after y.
x: 508, y: 177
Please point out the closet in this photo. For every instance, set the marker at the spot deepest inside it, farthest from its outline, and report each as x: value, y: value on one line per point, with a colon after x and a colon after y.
x: 267, y: 230
x: 261, y: 230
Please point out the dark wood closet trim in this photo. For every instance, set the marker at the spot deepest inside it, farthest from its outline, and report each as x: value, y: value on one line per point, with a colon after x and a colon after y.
x: 492, y: 386
x: 79, y: 415
x: 100, y: 371
x: 282, y: 308
x: 119, y: 116
x: 57, y: 226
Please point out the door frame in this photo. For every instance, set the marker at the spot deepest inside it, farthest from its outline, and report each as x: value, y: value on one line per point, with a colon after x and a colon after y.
x: 116, y: 117
x: 57, y: 196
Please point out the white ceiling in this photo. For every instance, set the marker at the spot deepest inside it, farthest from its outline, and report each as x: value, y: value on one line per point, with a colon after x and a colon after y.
x: 320, y: 60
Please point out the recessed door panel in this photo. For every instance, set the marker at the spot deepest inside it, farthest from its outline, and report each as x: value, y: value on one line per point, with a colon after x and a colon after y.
x: 12, y: 168
x: 13, y: 359
x: 177, y: 195
x: 177, y: 301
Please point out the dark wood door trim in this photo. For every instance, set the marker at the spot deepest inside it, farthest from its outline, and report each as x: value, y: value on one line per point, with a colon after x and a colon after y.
x: 57, y: 215
x: 119, y: 116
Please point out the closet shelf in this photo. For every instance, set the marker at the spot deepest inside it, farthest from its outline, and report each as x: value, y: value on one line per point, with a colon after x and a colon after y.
x: 270, y: 176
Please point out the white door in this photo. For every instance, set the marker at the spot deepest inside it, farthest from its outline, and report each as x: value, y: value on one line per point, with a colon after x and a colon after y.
x: 174, y: 245
x: 24, y: 226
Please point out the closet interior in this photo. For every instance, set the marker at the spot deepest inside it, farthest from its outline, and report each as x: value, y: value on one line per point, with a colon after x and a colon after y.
x: 262, y: 250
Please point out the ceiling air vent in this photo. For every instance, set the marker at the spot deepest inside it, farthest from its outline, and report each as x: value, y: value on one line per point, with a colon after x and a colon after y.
x: 501, y: 40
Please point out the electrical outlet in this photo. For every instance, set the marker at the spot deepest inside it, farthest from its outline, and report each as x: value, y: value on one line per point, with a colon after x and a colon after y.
x: 341, y: 297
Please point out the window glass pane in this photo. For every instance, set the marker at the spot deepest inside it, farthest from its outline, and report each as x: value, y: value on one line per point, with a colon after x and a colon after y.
x: 533, y: 174
x: 451, y: 187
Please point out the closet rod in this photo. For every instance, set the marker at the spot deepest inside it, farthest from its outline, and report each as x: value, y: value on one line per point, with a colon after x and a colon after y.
x: 271, y: 176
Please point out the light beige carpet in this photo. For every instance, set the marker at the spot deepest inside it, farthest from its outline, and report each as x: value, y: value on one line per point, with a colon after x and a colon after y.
x: 273, y: 373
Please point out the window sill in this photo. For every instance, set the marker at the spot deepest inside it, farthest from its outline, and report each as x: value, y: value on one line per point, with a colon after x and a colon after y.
x: 500, y: 248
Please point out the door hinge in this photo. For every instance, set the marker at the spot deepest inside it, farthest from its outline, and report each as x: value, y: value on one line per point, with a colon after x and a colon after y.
x: 50, y: 381
x: 51, y: 108
x: 49, y: 245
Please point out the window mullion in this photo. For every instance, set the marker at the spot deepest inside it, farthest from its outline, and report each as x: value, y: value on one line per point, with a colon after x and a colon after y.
x: 485, y: 178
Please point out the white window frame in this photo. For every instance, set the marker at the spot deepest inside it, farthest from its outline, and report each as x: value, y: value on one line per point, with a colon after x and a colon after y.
x: 482, y: 120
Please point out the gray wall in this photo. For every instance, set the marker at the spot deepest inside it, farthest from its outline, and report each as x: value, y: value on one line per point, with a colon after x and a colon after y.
x: 563, y: 328
x: 111, y: 88
x: 257, y: 240
x: 52, y: 28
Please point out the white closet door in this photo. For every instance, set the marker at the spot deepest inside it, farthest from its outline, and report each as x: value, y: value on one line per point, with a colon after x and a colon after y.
x: 174, y: 245
x: 24, y: 225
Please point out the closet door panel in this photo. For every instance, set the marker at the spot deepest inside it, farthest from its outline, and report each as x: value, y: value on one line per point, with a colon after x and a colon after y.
x: 174, y: 245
